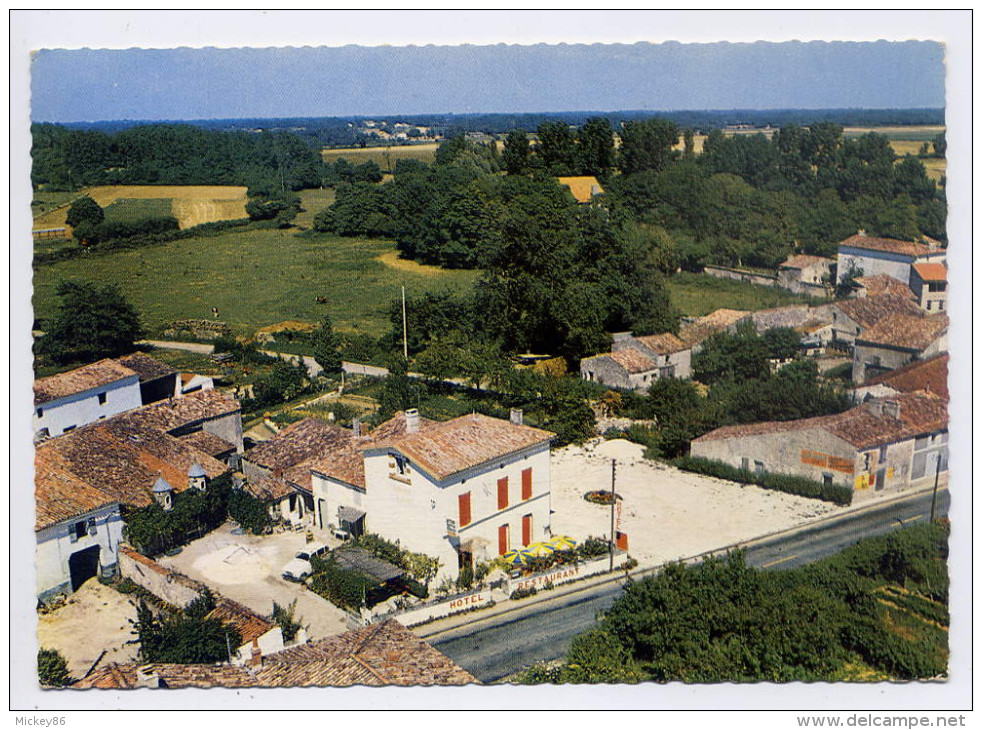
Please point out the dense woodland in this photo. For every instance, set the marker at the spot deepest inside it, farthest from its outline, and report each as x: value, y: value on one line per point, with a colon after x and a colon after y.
x: 877, y: 610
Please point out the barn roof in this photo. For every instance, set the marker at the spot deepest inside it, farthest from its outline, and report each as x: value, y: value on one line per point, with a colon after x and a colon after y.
x: 297, y: 443
x: 717, y: 321
x: 61, y: 495
x: 145, y: 366
x: 884, y: 284
x: 890, y: 245
x: 664, y: 343
x: 904, y: 331
x: 189, y: 409
x: 867, y: 311
x: 927, y: 375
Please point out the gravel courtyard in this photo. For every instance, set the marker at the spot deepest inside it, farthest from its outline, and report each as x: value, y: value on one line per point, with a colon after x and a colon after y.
x: 247, y: 568
x: 666, y: 513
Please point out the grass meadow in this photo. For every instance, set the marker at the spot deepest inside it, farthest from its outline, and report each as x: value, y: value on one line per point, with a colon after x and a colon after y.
x: 385, y: 157
x: 255, y: 278
x: 696, y: 295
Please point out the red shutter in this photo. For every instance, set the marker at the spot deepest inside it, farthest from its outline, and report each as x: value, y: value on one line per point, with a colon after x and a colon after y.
x: 526, y: 483
x: 502, y: 539
x: 502, y: 492
x: 526, y: 530
x: 464, y: 504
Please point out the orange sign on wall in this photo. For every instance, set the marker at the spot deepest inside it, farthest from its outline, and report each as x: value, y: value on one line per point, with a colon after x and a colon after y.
x: 826, y: 461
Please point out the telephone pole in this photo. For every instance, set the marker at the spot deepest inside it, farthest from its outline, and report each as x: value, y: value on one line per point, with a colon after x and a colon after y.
x: 613, y: 502
x: 405, y: 339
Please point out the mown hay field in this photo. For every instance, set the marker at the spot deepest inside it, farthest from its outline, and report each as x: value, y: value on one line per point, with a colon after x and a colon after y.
x: 192, y: 205
x: 384, y: 157
x: 255, y: 278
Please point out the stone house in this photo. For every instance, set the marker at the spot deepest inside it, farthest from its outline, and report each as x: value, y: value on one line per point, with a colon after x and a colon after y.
x: 884, y: 445
x: 897, y: 340
x: 872, y: 286
x: 929, y: 283
x: 930, y: 375
x: 888, y: 256
x: 803, y: 274
x: 627, y: 369
x: 852, y: 317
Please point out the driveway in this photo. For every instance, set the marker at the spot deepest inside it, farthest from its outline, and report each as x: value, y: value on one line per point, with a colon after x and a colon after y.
x: 246, y: 568
x: 94, y: 619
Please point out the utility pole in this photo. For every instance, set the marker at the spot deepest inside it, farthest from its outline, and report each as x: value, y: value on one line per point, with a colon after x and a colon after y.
x: 613, y: 502
x: 405, y: 339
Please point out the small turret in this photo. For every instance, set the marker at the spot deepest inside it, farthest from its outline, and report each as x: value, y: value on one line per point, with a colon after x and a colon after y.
x: 163, y: 494
x: 197, y: 479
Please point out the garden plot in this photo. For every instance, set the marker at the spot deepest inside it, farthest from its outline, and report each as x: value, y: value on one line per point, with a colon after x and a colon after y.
x: 667, y: 513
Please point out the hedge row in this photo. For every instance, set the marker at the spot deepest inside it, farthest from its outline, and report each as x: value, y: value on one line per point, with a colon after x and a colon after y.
x: 801, y: 486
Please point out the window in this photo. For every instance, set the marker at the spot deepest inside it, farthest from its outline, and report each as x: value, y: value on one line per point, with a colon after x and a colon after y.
x: 929, y: 305
x: 503, y: 539
x: 826, y: 479
x: 759, y: 467
x: 40, y: 412
x: 745, y: 463
x: 921, y: 443
x: 866, y: 461
x: 464, y: 509
x: 941, y: 304
x: 102, y: 398
x: 78, y: 531
x: 526, y: 530
x: 882, y: 456
x: 503, y: 493
x: 44, y: 433
x: 526, y: 484
x: 91, y: 526
x: 402, y: 465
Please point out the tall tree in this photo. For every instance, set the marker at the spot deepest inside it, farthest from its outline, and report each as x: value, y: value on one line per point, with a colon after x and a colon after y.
x: 84, y: 210
x: 326, y: 347
x: 647, y: 145
x: 515, y: 155
x: 595, y: 147
x: 557, y: 148
x: 92, y: 322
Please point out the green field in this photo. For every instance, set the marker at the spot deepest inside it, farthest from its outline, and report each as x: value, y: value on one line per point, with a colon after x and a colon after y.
x: 129, y: 210
x: 313, y: 202
x: 385, y: 157
x: 695, y: 295
x: 255, y: 278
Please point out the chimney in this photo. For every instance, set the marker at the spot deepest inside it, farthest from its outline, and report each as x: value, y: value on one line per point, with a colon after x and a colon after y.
x: 146, y: 676
x: 876, y: 408
x: 412, y: 420
x: 891, y: 408
x: 862, y: 232
x: 257, y: 655
x: 356, y: 426
x: 516, y: 416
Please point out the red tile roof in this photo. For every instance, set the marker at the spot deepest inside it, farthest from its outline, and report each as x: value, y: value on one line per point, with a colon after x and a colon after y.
x: 664, y: 344
x: 61, y: 495
x: 695, y: 332
x: 268, y: 489
x: 632, y: 360
x: 861, y: 426
x: 377, y: 655
x: 927, y: 375
x: 451, y: 446
x: 79, y: 380
x: 867, y: 311
x: 208, y: 443
x: 297, y: 443
x: 931, y: 271
x: 904, y: 331
x: 883, y: 284
x: 145, y: 366
x: 890, y: 245
x: 802, y: 261
x: 249, y: 624
x: 189, y: 409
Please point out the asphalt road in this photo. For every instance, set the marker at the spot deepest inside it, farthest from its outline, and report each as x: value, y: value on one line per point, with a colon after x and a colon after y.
x: 498, y: 647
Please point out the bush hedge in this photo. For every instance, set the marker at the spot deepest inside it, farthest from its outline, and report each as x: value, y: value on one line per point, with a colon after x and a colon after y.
x: 345, y: 588
x: 787, y: 483
x: 153, y: 531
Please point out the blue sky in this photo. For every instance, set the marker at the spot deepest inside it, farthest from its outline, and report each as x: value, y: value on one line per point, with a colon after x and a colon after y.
x: 185, y: 83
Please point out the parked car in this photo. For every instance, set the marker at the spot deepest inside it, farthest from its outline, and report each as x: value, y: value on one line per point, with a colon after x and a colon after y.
x: 300, y: 567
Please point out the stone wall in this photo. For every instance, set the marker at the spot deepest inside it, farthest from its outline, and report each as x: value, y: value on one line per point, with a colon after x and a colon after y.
x: 168, y: 585
x: 751, y: 277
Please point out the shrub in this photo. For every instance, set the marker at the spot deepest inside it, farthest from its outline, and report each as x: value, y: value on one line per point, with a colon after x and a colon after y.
x: 787, y: 483
x: 200, y: 606
x: 519, y: 593
x: 249, y: 512
x: 53, y: 669
x: 283, y: 616
x: 154, y: 531
x: 344, y: 588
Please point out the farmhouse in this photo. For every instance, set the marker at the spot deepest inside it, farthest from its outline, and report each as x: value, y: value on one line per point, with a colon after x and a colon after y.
x: 804, y: 274
x: 68, y: 400
x: 462, y: 490
x: 930, y: 375
x: 897, y: 340
x: 636, y: 362
x: 872, y: 286
x: 929, y: 283
x: 890, y: 444
x: 584, y: 187
x: 875, y: 256
x: 381, y: 654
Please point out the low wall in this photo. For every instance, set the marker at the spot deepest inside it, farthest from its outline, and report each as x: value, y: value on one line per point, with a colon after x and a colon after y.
x: 561, y: 574
x: 168, y: 585
x: 457, y: 604
x: 752, y: 277
x: 356, y: 368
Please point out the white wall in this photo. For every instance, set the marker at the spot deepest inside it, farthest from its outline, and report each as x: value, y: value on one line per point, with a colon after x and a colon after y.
x: 269, y: 643
x: 55, y: 547
x: 416, y: 513
x: 82, y: 408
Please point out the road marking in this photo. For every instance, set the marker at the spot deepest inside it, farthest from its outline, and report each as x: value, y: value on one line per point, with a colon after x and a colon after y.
x: 911, y: 519
x: 779, y: 561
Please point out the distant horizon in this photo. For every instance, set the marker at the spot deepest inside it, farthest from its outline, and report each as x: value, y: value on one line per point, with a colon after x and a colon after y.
x: 199, y: 84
